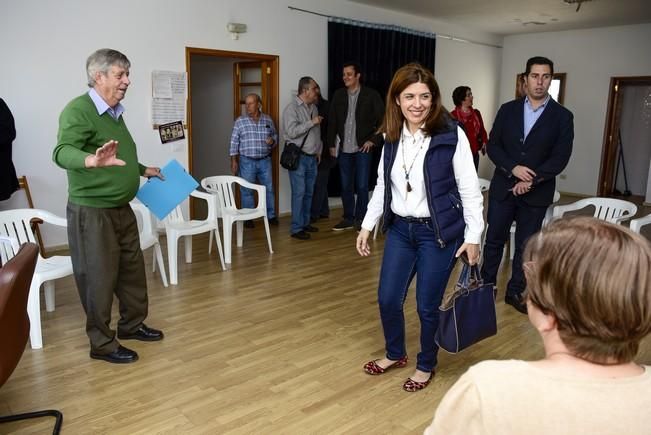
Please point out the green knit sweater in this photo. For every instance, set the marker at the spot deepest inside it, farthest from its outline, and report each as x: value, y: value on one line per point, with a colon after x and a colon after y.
x: 81, y: 132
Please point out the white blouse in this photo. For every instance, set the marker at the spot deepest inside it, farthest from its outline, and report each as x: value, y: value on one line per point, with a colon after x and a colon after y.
x: 412, y: 148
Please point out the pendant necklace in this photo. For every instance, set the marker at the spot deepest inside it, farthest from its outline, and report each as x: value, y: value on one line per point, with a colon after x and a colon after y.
x: 404, y: 161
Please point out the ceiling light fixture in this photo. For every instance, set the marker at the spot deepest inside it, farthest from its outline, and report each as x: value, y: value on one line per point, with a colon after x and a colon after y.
x: 577, y: 2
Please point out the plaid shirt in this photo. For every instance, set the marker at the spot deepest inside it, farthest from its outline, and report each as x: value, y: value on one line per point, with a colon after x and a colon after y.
x: 249, y: 137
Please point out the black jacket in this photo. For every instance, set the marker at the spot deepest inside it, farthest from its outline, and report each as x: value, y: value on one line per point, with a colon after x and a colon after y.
x: 8, y: 181
x: 369, y: 112
x: 546, y: 150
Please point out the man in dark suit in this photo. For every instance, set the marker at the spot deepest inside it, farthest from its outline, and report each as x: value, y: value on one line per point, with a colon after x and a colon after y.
x: 530, y: 144
x: 320, y: 207
x: 356, y: 113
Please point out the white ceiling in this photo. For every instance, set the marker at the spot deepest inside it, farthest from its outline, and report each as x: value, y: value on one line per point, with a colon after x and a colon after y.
x: 507, y: 17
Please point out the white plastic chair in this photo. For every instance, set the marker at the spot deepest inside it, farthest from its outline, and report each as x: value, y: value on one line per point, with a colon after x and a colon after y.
x: 176, y: 226
x: 637, y: 224
x: 608, y: 209
x: 16, y: 224
x: 546, y: 220
x: 8, y: 248
x: 222, y: 187
x: 149, y: 237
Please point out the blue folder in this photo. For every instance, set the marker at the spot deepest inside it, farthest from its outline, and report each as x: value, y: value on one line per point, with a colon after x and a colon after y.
x: 162, y: 196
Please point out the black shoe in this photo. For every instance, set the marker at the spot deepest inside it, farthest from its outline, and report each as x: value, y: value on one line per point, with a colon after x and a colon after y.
x: 249, y: 224
x: 517, y: 301
x: 324, y: 216
x: 313, y: 219
x: 301, y: 235
x: 121, y: 355
x: 144, y: 333
x: 311, y: 229
x: 343, y: 225
x: 273, y: 221
x: 358, y: 226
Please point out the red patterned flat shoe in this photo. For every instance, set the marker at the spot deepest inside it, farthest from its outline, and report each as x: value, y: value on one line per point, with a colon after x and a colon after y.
x: 372, y: 368
x: 412, y: 386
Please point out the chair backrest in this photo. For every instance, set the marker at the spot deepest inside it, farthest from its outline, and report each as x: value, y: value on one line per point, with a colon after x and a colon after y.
x: 17, y: 224
x: 222, y: 187
x: 608, y: 209
x: 8, y: 248
x: 15, y: 279
x: 484, y: 184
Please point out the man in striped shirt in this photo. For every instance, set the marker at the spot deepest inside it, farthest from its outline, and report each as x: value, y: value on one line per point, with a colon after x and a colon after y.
x: 253, y: 138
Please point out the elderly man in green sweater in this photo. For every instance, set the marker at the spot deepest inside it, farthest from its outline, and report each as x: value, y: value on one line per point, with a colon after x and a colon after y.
x: 99, y: 155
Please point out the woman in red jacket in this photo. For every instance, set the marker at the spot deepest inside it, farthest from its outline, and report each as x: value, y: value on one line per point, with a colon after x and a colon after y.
x: 470, y: 120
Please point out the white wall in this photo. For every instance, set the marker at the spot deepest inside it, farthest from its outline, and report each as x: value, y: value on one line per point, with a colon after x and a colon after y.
x: 590, y: 58
x: 45, y: 45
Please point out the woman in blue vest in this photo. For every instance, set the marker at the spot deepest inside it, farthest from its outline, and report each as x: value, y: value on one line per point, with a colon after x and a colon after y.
x: 428, y: 195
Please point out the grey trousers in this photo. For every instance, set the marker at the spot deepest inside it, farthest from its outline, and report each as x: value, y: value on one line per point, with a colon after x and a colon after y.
x: 106, y: 259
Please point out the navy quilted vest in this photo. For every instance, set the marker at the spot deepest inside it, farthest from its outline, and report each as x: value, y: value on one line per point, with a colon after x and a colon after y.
x: 443, y: 197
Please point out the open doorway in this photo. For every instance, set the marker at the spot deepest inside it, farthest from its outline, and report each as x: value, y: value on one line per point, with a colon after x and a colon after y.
x: 218, y: 81
x: 626, y: 153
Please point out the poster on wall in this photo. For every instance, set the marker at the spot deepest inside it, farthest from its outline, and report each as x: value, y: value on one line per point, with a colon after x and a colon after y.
x: 169, y: 94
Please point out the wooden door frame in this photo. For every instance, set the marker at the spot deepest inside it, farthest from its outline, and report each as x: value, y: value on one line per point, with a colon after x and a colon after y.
x: 609, y: 150
x: 273, y: 99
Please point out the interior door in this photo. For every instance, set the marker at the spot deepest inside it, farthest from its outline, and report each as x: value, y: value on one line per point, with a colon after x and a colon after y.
x: 255, y: 77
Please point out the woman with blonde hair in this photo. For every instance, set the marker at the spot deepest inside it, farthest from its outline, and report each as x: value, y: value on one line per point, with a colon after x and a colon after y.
x: 428, y: 195
x: 589, y: 297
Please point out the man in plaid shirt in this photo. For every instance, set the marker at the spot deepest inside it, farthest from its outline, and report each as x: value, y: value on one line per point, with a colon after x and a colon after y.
x: 254, y: 136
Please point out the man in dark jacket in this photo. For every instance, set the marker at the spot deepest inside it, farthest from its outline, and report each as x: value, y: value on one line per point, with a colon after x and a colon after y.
x: 320, y: 208
x: 530, y: 144
x: 8, y: 180
x: 356, y: 113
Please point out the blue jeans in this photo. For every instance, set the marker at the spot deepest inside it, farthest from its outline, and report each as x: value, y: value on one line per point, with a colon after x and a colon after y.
x: 354, y: 169
x: 259, y: 172
x: 411, y: 250
x: 302, y: 182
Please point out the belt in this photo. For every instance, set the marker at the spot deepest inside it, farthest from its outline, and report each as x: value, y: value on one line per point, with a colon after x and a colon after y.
x: 415, y: 220
x: 309, y: 155
x: 256, y: 158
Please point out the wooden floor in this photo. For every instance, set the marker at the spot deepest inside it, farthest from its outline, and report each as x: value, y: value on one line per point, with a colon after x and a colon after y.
x: 273, y: 346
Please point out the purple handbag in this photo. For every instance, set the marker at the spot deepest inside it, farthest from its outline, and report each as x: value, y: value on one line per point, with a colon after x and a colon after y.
x: 468, y: 314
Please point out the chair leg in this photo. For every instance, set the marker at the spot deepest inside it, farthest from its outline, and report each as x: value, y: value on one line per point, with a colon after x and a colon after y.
x: 240, y: 233
x: 209, y: 243
x: 266, y: 228
x: 158, y: 253
x: 187, y: 243
x: 153, y: 260
x: 227, y: 230
x: 37, y: 414
x: 34, y: 313
x: 218, y: 242
x: 172, y: 258
x: 48, y: 287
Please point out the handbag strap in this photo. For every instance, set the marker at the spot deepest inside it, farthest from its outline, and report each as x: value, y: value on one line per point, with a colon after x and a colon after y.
x: 469, y: 274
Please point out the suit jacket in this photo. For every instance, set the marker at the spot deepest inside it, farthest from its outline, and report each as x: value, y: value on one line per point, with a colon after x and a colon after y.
x: 8, y: 181
x: 369, y: 112
x: 546, y: 150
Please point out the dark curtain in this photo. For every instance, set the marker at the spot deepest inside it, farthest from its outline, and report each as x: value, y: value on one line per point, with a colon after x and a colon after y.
x: 379, y: 50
